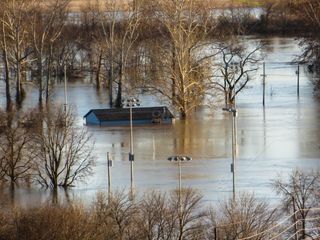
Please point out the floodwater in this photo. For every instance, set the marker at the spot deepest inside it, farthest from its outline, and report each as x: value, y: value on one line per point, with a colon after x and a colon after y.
x: 271, y: 141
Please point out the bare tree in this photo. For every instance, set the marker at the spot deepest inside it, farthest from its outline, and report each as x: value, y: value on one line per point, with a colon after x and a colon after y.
x: 16, y: 155
x: 235, y: 65
x: 157, y: 219
x: 155, y: 216
x: 92, y: 40
x: 309, y: 11
x: 172, y: 217
x: 15, y: 30
x: 116, y: 216
x: 299, y: 193
x: 181, y: 69
x: 120, y: 32
x: 5, y: 41
x: 64, y: 152
x: 243, y: 217
x: 268, y: 7
x: 236, y: 18
x: 190, y: 217
x: 65, y: 52
x: 47, y: 20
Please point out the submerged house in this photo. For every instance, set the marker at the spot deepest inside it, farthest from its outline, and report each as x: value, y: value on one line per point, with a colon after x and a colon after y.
x: 121, y: 116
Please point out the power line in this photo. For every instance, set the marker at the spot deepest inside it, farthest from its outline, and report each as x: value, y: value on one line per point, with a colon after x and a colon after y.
x: 281, y: 222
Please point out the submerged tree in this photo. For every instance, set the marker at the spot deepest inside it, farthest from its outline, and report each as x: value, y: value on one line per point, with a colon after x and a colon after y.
x: 15, y: 43
x: 5, y: 46
x: 235, y: 65
x: 64, y: 151
x: 181, y: 76
x: 16, y: 154
x: 309, y: 10
x: 91, y: 40
x: 46, y: 21
x: 120, y: 33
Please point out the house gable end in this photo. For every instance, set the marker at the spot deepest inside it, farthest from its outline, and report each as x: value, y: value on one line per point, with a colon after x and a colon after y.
x: 91, y: 118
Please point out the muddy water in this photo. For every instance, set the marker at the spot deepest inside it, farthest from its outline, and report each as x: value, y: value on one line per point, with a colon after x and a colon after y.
x: 284, y: 135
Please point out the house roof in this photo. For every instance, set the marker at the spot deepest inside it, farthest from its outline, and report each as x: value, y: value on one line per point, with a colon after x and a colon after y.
x: 116, y: 114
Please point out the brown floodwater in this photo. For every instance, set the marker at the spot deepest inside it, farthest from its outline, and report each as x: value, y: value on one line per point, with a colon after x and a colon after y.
x: 271, y: 141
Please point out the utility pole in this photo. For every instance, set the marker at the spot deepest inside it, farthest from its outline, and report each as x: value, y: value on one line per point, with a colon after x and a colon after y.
x: 131, y: 154
x: 131, y: 102
x: 234, y: 152
x: 179, y: 160
x: 65, y: 89
x: 264, y: 83
x: 109, y: 164
x: 298, y: 81
x: 233, y: 111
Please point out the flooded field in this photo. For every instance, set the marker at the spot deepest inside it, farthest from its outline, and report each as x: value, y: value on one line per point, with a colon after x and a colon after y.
x: 272, y: 141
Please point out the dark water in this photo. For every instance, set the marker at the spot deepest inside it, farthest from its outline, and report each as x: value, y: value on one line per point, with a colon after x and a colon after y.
x: 274, y: 140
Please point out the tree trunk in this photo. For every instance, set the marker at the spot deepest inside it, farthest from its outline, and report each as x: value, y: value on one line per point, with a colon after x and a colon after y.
x: 55, y: 196
x: 225, y: 92
x: 303, y: 226
x: 18, y: 85
x: 119, y: 92
x: 266, y: 21
x: 118, y: 103
x: 111, y: 76
x: 183, y: 114
x: 98, y: 71
x: 231, y: 97
x: 6, y: 69
x: 7, y: 80
x: 12, y: 177
x: 18, y: 68
x: 40, y: 75
x: 48, y: 75
x: 55, y: 181
x: 173, y: 86
x: 110, y: 79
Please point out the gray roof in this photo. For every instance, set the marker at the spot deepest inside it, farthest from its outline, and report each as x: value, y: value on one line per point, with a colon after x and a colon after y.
x: 117, y: 114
